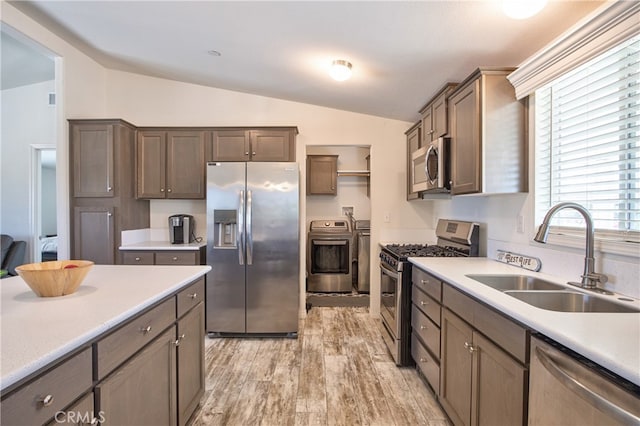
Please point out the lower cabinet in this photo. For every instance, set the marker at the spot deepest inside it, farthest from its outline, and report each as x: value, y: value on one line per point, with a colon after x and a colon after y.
x: 480, y: 383
x: 147, y: 371
x: 143, y: 391
x: 164, y: 257
x: 93, y: 224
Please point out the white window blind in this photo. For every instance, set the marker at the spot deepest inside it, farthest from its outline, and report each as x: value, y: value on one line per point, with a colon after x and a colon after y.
x: 587, y: 126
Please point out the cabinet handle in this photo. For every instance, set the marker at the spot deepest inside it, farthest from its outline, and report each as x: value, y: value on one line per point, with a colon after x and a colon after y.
x: 46, y: 401
x: 422, y: 327
x: 109, y: 189
x: 161, y: 189
x: 193, y: 296
x: 423, y: 303
x: 253, y: 153
x: 169, y: 190
x: 109, y: 215
x: 145, y: 330
x: 174, y: 258
x: 137, y: 259
x: 246, y: 153
x: 423, y: 282
x: 470, y: 347
x: 179, y: 339
x: 423, y: 360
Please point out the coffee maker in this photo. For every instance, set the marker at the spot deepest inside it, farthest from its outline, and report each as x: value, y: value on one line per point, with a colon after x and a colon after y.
x: 181, y: 229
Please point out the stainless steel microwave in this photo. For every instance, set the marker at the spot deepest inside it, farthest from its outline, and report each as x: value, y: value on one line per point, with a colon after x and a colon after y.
x: 430, y: 167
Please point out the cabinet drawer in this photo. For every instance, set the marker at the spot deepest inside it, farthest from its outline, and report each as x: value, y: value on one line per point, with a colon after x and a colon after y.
x: 81, y: 413
x: 137, y: 258
x: 424, y: 328
x: 129, y: 338
x: 190, y: 297
x: 61, y: 385
x: 426, y: 305
x: 509, y: 335
x: 425, y: 363
x: 427, y: 283
x: 176, y: 258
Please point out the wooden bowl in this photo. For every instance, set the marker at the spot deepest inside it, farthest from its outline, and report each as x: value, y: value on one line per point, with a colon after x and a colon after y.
x: 55, y: 278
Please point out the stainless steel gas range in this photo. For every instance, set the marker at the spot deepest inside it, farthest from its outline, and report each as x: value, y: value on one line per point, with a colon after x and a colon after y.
x: 454, y: 239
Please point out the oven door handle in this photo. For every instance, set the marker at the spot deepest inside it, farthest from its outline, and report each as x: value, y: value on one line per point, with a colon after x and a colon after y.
x: 329, y: 242
x: 389, y: 272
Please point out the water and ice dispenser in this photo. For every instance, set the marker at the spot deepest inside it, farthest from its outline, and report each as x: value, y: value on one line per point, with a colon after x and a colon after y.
x: 225, y: 229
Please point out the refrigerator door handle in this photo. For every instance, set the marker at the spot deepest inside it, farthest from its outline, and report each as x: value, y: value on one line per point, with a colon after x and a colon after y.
x: 249, y: 229
x: 240, y: 233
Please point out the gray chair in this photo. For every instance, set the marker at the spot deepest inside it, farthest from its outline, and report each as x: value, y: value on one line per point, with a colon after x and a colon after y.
x: 13, y: 253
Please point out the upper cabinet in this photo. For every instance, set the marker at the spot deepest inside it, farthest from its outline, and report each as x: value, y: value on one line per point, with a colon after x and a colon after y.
x: 171, y: 164
x: 92, y: 153
x: 322, y: 174
x: 434, y: 115
x: 414, y: 137
x: 487, y: 130
x: 260, y: 144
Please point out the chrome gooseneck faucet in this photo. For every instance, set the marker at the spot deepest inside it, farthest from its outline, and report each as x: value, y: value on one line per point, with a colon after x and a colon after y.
x: 590, y: 278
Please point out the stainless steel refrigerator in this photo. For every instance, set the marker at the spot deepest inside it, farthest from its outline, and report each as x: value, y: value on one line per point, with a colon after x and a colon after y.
x: 253, y: 248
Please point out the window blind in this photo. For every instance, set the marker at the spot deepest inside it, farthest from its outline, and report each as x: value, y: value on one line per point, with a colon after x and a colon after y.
x: 587, y: 126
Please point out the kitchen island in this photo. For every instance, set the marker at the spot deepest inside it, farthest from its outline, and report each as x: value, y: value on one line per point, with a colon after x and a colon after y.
x: 611, y: 340
x: 118, y: 313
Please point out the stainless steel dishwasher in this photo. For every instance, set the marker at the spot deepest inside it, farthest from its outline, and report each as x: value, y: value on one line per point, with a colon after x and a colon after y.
x: 567, y: 389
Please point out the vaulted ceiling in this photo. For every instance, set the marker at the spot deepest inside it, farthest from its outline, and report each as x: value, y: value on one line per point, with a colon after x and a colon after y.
x: 402, y: 51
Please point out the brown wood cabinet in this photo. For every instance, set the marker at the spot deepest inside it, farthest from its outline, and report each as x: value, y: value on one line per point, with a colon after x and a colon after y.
x: 242, y: 144
x: 487, y: 129
x: 483, y: 374
x: 101, y: 176
x: 414, y: 141
x: 322, y: 174
x: 435, y: 115
x: 171, y: 164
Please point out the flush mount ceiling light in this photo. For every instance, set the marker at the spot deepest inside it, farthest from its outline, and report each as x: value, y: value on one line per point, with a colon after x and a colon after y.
x: 522, y: 9
x: 340, y: 70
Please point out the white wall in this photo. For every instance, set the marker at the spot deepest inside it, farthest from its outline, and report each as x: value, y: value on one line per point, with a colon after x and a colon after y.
x: 81, y: 92
x: 27, y: 119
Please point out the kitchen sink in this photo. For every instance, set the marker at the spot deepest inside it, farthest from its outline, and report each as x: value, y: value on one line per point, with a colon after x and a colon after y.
x: 569, y: 301
x: 515, y: 282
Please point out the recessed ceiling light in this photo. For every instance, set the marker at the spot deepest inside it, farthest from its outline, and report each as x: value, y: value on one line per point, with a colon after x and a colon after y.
x: 214, y: 53
x: 340, y: 70
x: 522, y: 9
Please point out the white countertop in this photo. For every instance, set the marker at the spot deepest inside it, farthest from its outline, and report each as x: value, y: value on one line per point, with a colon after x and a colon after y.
x: 162, y: 245
x: 38, y: 330
x: 609, y: 339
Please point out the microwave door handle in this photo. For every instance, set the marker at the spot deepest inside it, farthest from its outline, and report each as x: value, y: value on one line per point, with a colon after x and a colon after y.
x: 575, y: 386
x: 240, y: 233
x: 249, y: 229
x: 426, y: 165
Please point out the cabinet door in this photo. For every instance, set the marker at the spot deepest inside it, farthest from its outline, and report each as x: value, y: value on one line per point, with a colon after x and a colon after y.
x: 151, y: 157
x: 272, y: 145
x: 143, y: 391
x: 498, y: 396
x: 439, y: 117
x: 94, y: 234
x: 190, y: 362
x: 427, y: 126
x: 79, y: 414
x: 413, y: 143
x: 456, y: 368
x: 185, y: 165
x: 92, y: 160
x: 230, y: 145
x: 466, y: 150
x: 322, y: 174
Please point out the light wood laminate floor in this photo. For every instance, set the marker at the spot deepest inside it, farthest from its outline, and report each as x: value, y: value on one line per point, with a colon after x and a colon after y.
x: 337, y: 372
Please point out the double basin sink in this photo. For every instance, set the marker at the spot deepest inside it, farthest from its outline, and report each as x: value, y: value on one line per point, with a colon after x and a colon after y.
x: 550, y: 296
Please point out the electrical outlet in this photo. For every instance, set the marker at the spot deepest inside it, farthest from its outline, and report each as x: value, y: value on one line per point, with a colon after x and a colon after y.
x: 346, y: 211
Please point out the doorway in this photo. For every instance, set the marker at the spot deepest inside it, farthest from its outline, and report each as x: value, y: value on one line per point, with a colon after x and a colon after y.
x: 44, y: 232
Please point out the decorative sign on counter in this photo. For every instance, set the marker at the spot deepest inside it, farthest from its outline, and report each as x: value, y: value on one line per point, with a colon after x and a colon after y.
x: 526, y: 262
